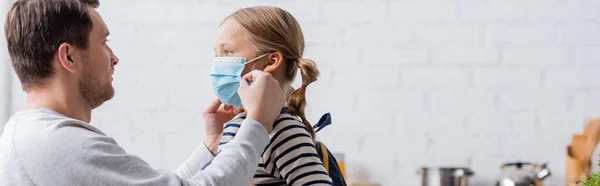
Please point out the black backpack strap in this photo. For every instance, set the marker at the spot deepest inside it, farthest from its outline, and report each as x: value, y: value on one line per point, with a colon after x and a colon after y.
x: 323, y: 122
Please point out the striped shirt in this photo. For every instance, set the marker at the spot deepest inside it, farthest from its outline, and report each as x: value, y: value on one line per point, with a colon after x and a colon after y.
x: 289, y: 159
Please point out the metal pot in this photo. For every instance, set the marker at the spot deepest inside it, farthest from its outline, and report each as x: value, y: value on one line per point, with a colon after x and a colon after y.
x: 445, y: 176
x: 523, y: 174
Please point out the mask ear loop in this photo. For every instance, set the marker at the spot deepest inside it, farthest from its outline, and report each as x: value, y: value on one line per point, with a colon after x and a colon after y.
x: 253, y: 60
x: 254, y: 65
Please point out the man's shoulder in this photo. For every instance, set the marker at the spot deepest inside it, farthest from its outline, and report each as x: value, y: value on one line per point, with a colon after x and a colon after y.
x: 47, y: 125
x: 44, y: 131
x: 41, y: 143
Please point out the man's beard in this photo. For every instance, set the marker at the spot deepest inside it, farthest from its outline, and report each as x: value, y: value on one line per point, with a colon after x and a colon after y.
x: 93, y: 92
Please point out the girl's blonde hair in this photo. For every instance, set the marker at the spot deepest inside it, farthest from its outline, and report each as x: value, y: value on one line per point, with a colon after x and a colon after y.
x: 273, y: 29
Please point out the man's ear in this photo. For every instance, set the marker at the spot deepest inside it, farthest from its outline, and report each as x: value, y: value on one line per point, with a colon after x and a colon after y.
x: 274, y: 60
x: 68, y: 57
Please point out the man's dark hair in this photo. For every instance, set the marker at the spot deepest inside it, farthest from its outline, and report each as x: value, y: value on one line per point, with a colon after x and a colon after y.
x: 35, y: 29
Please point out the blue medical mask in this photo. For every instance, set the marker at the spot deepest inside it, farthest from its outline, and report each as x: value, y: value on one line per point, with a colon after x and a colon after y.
x: 226, y: 74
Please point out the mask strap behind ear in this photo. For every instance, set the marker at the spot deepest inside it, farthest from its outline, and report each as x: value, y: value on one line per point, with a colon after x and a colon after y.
x: 257, y: 58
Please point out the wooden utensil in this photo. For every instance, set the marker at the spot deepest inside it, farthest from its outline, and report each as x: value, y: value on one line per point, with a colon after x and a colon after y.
x: 575, y: 168
x: 593, y: 129
x: 578, y: 146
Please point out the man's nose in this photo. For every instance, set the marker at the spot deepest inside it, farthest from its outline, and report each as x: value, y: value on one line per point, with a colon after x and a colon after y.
x: 114, y: 59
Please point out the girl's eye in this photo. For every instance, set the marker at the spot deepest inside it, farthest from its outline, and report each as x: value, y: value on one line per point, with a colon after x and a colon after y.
x: 228, y: 52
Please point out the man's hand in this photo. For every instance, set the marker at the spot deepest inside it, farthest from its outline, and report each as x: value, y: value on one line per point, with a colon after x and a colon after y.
x: 215, y: 116
x: 263, y: 99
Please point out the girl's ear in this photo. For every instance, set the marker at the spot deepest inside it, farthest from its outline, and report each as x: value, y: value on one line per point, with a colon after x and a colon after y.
x: 274, y: 60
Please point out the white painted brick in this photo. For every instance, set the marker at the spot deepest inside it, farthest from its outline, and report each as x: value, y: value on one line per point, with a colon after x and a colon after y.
x: 493, y: 10
x: 540, y: 10
x: 167, y: 121
x: 144, y: 12
x: 435, y: 77
x: 189, y: 55
x: 190, y: 36
x: 354, y: 12
x: 178, y: 12
x: 125, y: 77
x: 542, y: 101
x: 491, y: 150
x: 489, y: 123
x: 520, y: 56
x: 459, y: 101
x: 193, y: 98
x: 423, y: 10
x: 385, y: 169
x: 562, y: 10
x: 121, y: 37
x: 308, y: 11
x: 172, y: 76
x: 572, y: 78
x: 443, y: 152
x: 397, y: 101
x: 153, y: 35
x: 523, y: 124
x: 335, y: 56
x: 325, y: 79
x: 543, y: 150
x: 130, y: 99
x: 372, y: 122
x: 434, y: 123
x: 587, y: 56
x: 457, y: 34
x: 347, y: 144
x: 406, y: 169
x: 366, y: 78
x: 315, y: 34
x: 395, y: 56
x: 321, y: 99
x: 585, y: 9
x: 504, y: 78
x: 498, y: 34
x: 587, y: 103
x: 140, y: 56
x: 582, y: 33
x: 304, y: 11
x: 547, y: 10
x: 376, y: 35
x: 211, y: 12
x: 563, y: 125
x: 475, y: 56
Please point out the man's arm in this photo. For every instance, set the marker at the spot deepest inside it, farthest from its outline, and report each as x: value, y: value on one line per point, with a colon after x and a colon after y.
x: 102, y: 162
x: 247, y: 147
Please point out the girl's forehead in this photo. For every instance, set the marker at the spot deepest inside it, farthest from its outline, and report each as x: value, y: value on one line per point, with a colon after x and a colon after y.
x: 230, y: 33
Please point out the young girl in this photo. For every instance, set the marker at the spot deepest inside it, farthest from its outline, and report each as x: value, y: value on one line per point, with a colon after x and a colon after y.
x: 270, y: 39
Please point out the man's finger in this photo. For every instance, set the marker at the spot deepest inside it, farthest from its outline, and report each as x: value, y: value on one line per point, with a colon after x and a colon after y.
x: 249, y: 77
x: 243, y: 84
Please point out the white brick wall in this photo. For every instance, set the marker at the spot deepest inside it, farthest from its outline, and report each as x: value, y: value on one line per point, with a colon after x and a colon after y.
x: 5, y: 77
x: 411, y: 83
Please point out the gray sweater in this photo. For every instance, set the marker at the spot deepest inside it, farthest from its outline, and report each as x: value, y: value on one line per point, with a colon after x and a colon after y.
x: 42, y: 147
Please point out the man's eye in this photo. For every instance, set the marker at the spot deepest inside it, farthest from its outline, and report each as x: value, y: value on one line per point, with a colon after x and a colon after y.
x: 228, y: 52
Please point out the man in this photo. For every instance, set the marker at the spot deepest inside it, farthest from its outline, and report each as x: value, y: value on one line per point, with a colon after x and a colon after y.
x: 59, y: 52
